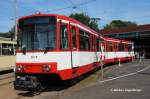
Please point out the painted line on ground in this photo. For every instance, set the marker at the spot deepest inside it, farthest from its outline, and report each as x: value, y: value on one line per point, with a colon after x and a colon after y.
x: 130, y: 74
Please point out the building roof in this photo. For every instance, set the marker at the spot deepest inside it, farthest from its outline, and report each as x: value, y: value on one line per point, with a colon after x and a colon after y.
x: 139, y: 28
x: 6, y: 41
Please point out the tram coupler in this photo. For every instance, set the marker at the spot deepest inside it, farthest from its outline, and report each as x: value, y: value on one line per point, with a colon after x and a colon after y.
x: 27, y: 83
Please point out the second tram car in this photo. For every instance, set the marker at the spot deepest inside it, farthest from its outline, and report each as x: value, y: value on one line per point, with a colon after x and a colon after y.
x: 56, y: 46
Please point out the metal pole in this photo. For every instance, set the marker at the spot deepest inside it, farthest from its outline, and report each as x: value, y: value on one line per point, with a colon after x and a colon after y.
x: 102, y: 72
x: 13, y: 49
x: 1, y: 49
x: 16, y: 14
x: 101, y: 60
x: 119, y: 62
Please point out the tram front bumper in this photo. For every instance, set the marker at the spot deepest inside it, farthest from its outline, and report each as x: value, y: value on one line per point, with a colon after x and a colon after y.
x: 26, y: 83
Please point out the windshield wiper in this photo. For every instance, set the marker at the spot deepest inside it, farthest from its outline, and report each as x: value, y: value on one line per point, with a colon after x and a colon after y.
x: 24, y: 50
x: 46, y: 50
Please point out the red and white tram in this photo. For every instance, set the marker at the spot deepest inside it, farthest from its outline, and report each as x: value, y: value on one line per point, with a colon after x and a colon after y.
x: 51, y: 45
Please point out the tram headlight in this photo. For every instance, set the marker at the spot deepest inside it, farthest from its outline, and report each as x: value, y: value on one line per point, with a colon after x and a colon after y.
x: 46, y: 68
x: 19, y: 68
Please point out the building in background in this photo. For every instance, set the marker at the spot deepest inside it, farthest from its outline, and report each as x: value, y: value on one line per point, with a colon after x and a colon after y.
x: 7, y: 47
x: 7, y: 54
x: 140, y: 35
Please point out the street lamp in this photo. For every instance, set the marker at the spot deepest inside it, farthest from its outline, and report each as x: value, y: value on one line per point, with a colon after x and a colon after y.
x: 16, y: 16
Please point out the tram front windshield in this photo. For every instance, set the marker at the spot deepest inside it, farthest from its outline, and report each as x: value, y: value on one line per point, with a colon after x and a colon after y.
x: 37, y: 33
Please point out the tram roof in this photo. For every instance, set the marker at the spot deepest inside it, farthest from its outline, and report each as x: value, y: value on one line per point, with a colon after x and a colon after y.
x: 61, y: 17
x: 118, y: 40
x: 74, y: 21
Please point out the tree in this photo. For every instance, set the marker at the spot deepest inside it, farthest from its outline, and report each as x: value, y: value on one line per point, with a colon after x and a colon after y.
x: 119, y: 24
x: 10, y: 34
x: 85, y: 19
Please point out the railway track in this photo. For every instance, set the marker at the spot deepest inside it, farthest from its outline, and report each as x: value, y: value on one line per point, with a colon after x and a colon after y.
x: 6, y: 79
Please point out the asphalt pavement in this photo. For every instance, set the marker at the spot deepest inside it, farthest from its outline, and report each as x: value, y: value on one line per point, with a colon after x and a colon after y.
x: 125, y: 86
x: 130, y: 80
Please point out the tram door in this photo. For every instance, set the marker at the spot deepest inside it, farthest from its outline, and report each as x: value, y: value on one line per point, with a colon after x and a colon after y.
x: 73, y: 45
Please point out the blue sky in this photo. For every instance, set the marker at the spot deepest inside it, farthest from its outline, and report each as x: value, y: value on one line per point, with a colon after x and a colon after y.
x: 108, y: 10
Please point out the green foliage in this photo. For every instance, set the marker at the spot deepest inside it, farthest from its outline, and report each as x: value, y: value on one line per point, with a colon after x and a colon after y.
x: 85, y: 19
x: 6, y: 35
x: 119, y: 24
x: 10, y: 34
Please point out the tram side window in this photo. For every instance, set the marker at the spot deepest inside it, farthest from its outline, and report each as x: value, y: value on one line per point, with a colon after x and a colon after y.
x: 129, y: 47
x: 92, y: 45
x: 93, y: 42
x: 126, y: 47
x: 111, y: 46
x: 87, y: 41
x: 107, y: 46
x: 116, y: 46
x: 98, y: 41
x: 121, y: 47
x: 64, y: 37
x: 81, y: 40
x: 74, y: 45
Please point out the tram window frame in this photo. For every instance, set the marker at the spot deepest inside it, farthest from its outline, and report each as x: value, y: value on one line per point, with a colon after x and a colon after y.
x: 121, y: 47
x: 126, y: 47
x: 81, y: 40
x: 73, y: 37
x: 111, y: 46
x: 93, y: 43
x: 62, y: 45
x: 98, y: 42
x: 107, y: 46
x: 115, y: 46
x: 84, y: 40
x: 43, y: 30
x: 87, y: 41
x: 129, y: 47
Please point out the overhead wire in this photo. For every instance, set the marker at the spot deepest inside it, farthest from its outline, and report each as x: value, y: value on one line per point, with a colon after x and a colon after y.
x: 21, y: 6
x: 71, y: 6
x: 77, y: 7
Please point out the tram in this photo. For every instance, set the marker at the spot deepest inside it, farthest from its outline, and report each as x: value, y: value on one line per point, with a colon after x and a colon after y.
x: 53, y: 46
